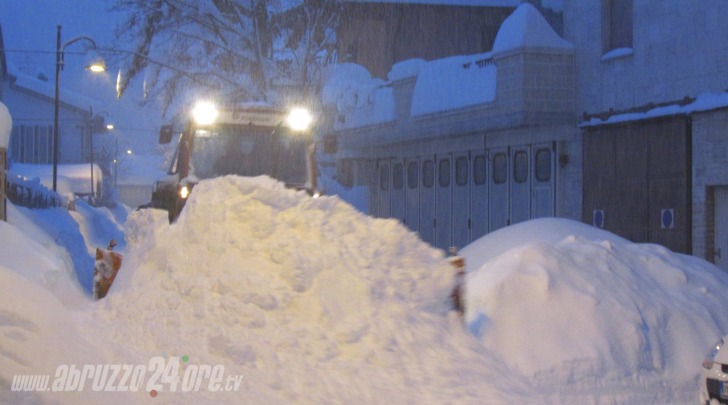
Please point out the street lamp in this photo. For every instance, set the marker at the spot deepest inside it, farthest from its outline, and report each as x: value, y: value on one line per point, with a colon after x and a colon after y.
x: 96, y: 67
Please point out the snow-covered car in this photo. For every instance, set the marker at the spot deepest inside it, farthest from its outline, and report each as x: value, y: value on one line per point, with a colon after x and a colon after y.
x: 714, y: 375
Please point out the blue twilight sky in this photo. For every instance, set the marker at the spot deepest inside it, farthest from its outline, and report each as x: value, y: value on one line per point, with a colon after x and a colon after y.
x: 29, y: 31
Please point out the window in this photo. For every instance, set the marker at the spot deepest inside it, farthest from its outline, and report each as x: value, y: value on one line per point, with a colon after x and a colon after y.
x: 500, y: 168
x: 32, y: 144
x: 412, y: 175
x: 444, y: 172
x: 461, y: 171
x: 384, y: 177
x: 479, y: 170
x: 398, y: 176
x: 520, y: 167
x: 543, y: 165
x: 616, y: 24
x: 345, y: 172
x: 428, y: 173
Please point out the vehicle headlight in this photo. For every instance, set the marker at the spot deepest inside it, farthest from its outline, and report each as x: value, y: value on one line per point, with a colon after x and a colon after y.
x: 710, y: 358
x: 184, y: 192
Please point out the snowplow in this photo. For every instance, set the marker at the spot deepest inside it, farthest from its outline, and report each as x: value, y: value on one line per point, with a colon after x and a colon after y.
x: 248, y: 140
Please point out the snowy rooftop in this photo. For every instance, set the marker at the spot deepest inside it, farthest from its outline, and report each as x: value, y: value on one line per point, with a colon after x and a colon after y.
x: 47, y: 89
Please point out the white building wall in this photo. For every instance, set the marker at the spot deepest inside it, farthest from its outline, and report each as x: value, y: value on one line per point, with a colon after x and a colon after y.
x: 679, y: 49
x: 710, y: 168
x: 29, y: 108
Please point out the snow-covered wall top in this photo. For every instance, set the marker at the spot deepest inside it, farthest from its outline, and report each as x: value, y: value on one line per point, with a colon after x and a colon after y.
x: 453, y: 83
x: 441, y: 85
x: 526, y: 28
x: 360, y: 99
x: 703, y: 102
x: 6, y: 125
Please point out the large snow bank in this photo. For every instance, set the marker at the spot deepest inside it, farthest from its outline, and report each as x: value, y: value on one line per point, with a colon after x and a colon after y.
x: 310, y: 300
x: 573, y: 308
x: 39, y: 331
x: 39, y: 335
x: 60, y: 233
x: 37, y: 261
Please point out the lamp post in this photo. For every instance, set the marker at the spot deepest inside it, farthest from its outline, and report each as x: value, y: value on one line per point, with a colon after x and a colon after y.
x: 59, y: 66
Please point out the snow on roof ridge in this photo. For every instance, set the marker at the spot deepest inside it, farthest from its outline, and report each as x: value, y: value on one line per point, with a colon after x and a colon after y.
x: 46, y: 89
x: 527, y: 28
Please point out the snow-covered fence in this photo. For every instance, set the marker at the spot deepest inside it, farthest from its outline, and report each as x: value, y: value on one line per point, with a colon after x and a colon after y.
x: 31, y: 193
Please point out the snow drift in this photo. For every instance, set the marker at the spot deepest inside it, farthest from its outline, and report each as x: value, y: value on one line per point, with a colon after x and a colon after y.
x: 307, y: 298
x: 311, y: 301
x: 568, y: 305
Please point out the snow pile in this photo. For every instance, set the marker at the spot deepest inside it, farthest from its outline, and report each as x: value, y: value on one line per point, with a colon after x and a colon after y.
x: 526, y: 28
x: 573, y: 308
x: 358, y: 98
x: 312, y: 302
x: 71, y: 178
x: 37, y: 262
x: 307, y: 298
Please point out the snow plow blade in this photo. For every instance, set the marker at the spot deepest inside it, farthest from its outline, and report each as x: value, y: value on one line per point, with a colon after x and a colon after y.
x: 105, y: 269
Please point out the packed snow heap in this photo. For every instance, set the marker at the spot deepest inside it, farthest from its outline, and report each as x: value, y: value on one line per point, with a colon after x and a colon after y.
x: 311, y: 301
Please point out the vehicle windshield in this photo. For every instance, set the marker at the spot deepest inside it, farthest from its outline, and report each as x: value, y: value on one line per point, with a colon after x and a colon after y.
x: 249, y: 151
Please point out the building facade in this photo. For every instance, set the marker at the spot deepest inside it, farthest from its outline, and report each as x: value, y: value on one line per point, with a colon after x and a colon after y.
x: 31, y: 103
x: 651, y: 87
x: 462, y: 146
x: 630, y: 122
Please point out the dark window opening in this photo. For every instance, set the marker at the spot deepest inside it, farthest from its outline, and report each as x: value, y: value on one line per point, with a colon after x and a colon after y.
x: 543, y: 165
x: 479, y: 170
x: 500, y: 168
x: 398, y: 176
x: 412, y: 175
x: 461, y: 171
x: 428, y: 173
x: 384, y: 177
x: 616, y: 24
x: 444, y: 172
x: 520, y: 167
